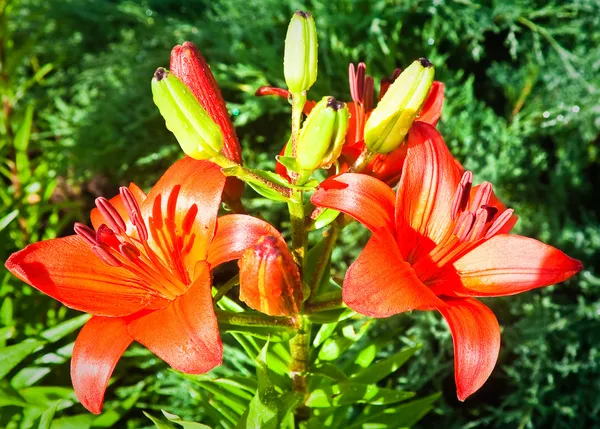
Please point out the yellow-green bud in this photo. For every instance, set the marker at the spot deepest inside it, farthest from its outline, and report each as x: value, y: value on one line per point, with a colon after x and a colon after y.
x: 196, y: 132
x: 300, y: 57
x: 322, y: 135
x: 389, y: 123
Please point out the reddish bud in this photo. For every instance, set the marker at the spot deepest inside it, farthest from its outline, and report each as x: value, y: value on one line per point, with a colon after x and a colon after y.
x: 188, y: 64
x: 269, y: 278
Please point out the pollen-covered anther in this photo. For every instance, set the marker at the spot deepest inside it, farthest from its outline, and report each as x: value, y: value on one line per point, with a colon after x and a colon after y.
x: 131, y: 204
x: 464, y: 225
x: 482, y: 196
x: 129, y: 251
x: 499, y: 223
x: 461, y: 195
x: 111, y: 215
x: 106, y: 236
x: 86, y: 233
x: 102, y: 251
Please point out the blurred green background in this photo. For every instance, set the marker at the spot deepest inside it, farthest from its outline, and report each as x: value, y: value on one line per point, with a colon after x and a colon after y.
x: 522, y: 110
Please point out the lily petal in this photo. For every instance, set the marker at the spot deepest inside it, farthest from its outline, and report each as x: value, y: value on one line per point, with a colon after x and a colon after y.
x: 67, y: 270
x: 187, y: 199
x: 368, y: 200
x: 429, y: 180
x: 97, y: 219
x: 380, y: 283
x: 185, y: 334
x: 99, y: 346
x: 511, y: 264
x: 234, y: 234
x: 476, y: 338
x: 432, y: 107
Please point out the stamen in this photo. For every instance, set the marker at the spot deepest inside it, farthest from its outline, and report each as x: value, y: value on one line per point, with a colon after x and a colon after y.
x: 110, y: 213
x: 352, y: 81
x: 157, y: 212
x: 172, y: 202
x: 86, y: 233
x: 131, y: 204
x: 104, y: 254
x: 482, y: 197
x: 464, y: 225
x: 140, y: 226
x: 479, y: 225
x: 129, y: 251
x: 107, y: 236
x: 360, y: 82
x: 499, y: 223
x: 461, y: 195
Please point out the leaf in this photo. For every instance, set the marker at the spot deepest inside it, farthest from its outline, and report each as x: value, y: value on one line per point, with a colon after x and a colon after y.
x: 275, y: 334
x: 330, y: 371
x: 11, y: 356
x: 158, y: 423
x: 262, y: 411
x: 29, y: 376
x: 65, y: 328
x: 7, y: 219
x: 325, y: 218
x: 10, y: 397
x: 79, y: 421
x: 350, y: 393
x: 187, y: 425
x: 22, y: 135
x: 48, y: 415
x: 288, y: 162
x: 402, y: 416
x: 385, y: 367
x: 333, y: 347
x: 23, y: 169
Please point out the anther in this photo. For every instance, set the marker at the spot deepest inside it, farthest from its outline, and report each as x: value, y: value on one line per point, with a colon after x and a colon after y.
x: 369, y: 87
x: 461, y: 195
x: 111, y: 215
x: 129, y: 251
x: 463, y: 225
x: 499, y: 223
x: 107, y: 236
x: 131, y: 204
x: 188, y: 220
x: 478, y: 225
x: 140, y: 226
x: 482, y: 197
x: 360, y: 82
x: 86, y: 233
x: 103, y: 253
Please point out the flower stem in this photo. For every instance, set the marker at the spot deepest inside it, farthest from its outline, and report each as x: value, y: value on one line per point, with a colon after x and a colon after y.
x: 257, y: 319
x: 300, y: 352
x: 317, y: 277
x: 325, y: 304
x: 362, y: 161
x: 221, y: 291
x: 298, y: 102
x: 296, y: 209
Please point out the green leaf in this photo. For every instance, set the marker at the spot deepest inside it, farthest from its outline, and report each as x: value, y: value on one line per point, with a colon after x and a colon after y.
x: 158, y: 423
x: 48, y: 415
x: 7, y: 219
x: 11, y: 356
x: 262, y: 411
x: 349, y: 393
x: 65, y: 328
x: 288, y: 162
x: 333, y: 347
x: 22, y: 135
x: 187, y: 425
x: 330, y: 371
x: 79, y: 421
x: 385, y: 367
x: 272, y: 333
x: 10, y: 397
x: 402, y: 416
x: 325, y: 218
x: 23, y: 169
x: 29, y: 376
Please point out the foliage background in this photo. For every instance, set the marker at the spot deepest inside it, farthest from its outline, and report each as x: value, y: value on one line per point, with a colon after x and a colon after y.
x: 521, y: 110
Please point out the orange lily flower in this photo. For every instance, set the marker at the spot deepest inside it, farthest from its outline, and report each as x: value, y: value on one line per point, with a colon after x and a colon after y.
x: 386, y: 167
x: 143, y: 273
x: 443, y: 243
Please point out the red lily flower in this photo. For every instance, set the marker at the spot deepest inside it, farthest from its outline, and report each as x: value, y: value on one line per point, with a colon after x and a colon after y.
x: 386, y: 167
x: 143, y: 273
x: 443, y: 244
x: 188, y: 64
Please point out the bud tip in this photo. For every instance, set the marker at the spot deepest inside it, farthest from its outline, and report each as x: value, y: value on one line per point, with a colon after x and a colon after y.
x: 425, y: 62
x: 160, y: 73
x: 303, y: 14
x: 334, y: 104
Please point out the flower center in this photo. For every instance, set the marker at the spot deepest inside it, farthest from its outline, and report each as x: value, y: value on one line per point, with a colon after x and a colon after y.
x: 474, y: 221
x: 153, y: 251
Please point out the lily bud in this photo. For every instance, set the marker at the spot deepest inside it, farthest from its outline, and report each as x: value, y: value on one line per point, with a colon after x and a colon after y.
x: 269, y: 278
x: 389, y: 123
x: 196, y: 132
x: 188, y: 64
x: 322, y: 135
x: 300, y: 57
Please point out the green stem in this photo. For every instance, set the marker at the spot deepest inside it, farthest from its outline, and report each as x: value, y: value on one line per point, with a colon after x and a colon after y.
x: 221, y: 291
x: 300, y: 352
x: 298, y: 102
x: 325, y: 304
x: 296, y: 209
x: 249, y: 319
x: 317, y: 278
x: 362, y: 161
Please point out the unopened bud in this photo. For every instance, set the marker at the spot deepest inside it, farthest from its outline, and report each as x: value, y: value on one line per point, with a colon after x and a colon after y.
x: 389, y: 123
x: 269, y: 279
x: 322, y: 135
x: 196, y: 132
x: 300, y: 57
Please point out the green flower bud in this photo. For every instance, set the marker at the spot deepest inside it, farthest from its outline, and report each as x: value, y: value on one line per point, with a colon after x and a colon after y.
x: 322, y: 135
x: 300, y: 58
x: 389, y: 123
x: 196, y: 132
